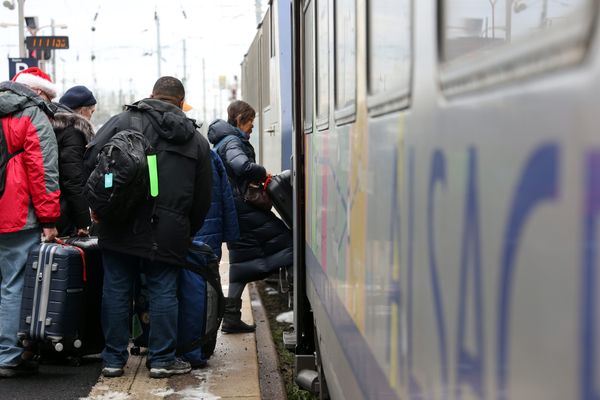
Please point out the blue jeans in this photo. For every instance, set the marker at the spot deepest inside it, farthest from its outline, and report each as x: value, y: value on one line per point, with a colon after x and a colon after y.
x: 120, y: 271
x: 14, y: 249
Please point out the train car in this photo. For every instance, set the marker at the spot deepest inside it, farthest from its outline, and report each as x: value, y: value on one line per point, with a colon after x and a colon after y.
x: 447, y: 183
x: 267, y: 87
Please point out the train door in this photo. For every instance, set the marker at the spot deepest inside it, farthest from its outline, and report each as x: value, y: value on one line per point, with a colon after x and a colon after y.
x: 271, y: 124
x: 251, y: 92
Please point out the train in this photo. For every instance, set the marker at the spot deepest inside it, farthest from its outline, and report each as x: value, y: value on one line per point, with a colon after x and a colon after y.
x: 446, y: 170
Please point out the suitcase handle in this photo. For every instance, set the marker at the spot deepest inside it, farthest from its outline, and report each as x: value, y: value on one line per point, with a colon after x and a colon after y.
x: 81, y: 252
x: 268, y: 180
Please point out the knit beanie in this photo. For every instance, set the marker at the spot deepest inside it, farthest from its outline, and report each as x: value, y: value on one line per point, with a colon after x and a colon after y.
x: 35, y: 78
x: 77, y: 96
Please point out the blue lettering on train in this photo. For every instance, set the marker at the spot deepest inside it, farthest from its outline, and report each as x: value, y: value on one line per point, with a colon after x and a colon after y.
x: 589, y: 279
x: 414, y: 389
x: 538, y: 184
x: 438, y: 175
x: 470, y: 364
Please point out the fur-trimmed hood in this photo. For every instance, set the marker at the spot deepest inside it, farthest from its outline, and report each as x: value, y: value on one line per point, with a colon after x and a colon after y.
x: 63, y: 120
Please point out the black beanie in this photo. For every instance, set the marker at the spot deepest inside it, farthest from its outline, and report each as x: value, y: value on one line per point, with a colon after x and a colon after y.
x: 77, y: 96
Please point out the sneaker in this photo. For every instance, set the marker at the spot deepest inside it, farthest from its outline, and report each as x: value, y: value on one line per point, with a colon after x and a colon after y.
x: 177, y: 367
x: 26, y: 367
x: 112, y: 372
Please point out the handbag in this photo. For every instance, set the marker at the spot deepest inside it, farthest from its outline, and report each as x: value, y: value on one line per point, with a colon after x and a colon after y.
x: 256, y: 196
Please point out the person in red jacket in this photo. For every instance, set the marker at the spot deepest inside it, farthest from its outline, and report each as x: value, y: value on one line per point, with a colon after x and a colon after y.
x: 30, y: 200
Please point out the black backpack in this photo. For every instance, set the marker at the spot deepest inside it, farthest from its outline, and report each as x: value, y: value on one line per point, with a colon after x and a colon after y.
x: 5, y: 156
x: 120, y: 181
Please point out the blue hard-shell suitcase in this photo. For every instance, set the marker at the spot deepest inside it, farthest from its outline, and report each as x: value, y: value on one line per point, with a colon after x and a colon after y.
x: 52, y: 297
x: 280, y: 191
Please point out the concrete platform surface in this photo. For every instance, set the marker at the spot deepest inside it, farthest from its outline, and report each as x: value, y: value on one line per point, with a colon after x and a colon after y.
x: 232, y: 372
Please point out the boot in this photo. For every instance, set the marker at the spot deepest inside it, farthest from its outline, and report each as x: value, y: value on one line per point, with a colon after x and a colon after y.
x: 232, y: 320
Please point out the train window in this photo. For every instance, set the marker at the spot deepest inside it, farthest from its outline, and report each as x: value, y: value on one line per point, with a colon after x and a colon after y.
x: 322, y: 63
x: 389, y: 53
x: 345, y: 58
x: 498, y: 40
x: 266, y: 61
x: 308, y: 67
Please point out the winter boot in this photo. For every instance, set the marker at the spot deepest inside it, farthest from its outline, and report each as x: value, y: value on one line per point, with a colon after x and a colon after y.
x: 232, y: 321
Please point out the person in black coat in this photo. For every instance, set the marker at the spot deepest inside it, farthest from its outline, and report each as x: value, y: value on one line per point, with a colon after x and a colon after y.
x: 155, y: 240
x: 73, y: 132
x: 265, y: 243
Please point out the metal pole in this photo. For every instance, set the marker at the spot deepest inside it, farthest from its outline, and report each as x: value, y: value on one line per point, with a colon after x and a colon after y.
x: 215, y: 107
x: 220, y: 102
x: 53, y: 54
x: 203, y: 91
x: 508, y: 20
x: 158, y: 55
x: 22, y: 52
x: 544, y: 15
x: 184, y: 80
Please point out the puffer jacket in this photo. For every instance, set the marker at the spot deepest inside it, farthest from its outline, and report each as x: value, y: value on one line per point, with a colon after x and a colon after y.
x: 221, y: 222
x: 31, y: 195
x: 73, y: 133
x: 265, y: 242
x: 162, y: 228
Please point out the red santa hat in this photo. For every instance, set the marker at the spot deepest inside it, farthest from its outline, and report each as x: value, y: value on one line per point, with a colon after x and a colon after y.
x: 35, y: 78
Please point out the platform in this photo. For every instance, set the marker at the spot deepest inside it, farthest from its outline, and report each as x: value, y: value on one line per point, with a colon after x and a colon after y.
x: 232, y: 372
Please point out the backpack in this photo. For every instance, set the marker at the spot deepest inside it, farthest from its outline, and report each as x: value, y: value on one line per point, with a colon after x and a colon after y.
x: 5, y: 157
x: 120, y: 182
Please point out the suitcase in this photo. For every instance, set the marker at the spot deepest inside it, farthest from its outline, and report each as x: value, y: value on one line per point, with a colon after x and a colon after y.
x: 280, y: 190
x: 91, y: 317
x: 53, y: 297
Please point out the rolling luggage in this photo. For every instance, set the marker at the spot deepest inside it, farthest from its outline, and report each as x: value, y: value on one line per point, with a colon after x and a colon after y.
x: 91, y: 316
x: 62, y: 299
x: 280, y: 190
x: 53, y: 297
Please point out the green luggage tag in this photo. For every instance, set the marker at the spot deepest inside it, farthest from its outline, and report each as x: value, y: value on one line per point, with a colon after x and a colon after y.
x: 153, y: 174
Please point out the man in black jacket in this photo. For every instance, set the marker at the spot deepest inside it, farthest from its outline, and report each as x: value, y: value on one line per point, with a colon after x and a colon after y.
x: 155, y: 240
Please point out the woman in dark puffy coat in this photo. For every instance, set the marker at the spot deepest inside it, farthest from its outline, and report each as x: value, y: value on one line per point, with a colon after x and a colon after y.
x: 265, y: 242
x: 73, y: 132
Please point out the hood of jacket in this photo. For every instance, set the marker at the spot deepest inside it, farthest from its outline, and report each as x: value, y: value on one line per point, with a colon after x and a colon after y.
x: 15, y: 97
x: 218, y: 129
x: 170, y: 123
x: 64, y: 119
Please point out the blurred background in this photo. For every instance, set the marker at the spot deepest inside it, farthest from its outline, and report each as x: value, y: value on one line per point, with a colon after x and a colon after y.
x: 119, y: 48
